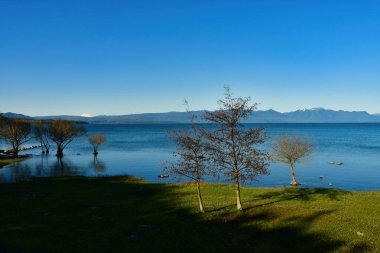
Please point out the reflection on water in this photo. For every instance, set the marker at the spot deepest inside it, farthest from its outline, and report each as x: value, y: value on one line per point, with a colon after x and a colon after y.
x: 16, y: 173
x: 98, y: 165
x: 42, y: 166
x: 63, y: 167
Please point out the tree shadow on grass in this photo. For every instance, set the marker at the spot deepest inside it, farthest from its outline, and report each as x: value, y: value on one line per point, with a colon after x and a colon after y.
x: 286, y: 194
x: 126, y: 215
x: 303, y: 194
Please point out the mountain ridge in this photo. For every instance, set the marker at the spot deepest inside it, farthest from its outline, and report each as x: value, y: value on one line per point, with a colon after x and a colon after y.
x: 313, y: 115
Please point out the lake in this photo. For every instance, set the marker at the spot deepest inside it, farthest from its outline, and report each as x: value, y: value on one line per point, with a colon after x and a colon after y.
x: 138, y: 150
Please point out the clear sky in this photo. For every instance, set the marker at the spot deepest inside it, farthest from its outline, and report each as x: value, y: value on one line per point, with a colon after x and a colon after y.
x: 121, y: 57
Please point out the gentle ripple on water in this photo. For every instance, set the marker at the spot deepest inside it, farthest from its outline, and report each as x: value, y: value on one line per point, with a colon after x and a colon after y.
x: 139, y: 149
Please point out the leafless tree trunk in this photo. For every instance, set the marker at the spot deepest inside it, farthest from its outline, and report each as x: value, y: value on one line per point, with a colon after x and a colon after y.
x: 40, y: 133
x: 16, y: 132
x: 291, y: 149
x: 232, y: 147
x: 191, y: 159
x: 294, y: 181
x: 237, y: 192
x: 59, y: 151
x: 200, y: 200
x: 63, y: 132
x: 235, y: 170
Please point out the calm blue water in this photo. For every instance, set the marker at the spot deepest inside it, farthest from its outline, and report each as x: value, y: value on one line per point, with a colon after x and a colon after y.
x: 139, y: 149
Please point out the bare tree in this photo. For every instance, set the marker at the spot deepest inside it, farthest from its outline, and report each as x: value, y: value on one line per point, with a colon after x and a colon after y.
x: 234, y: 148
x: 96, y: 140
x: 191, y: 157
x: 16, y: 132
x: 291, y: 149
x: 41, y: 134
x: 62, y: 132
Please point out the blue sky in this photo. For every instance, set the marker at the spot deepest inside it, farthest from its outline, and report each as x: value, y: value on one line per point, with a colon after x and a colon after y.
x: 121, y: 57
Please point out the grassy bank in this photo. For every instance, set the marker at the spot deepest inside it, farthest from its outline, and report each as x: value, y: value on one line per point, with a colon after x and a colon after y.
x: 7, y: 161
x: 122, y: 214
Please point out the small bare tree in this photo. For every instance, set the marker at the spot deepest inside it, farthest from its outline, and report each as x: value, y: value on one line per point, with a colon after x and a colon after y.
x: 40, y: 133
x: 191, y: 157
x: 16, y: 132
x: 96, y: 140
x: 62, y: 132
x: 291, y: 149
x: 234, y: 148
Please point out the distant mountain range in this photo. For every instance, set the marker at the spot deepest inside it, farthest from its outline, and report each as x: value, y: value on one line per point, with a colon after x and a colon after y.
x: 12, y: 115
x: 315, y: 115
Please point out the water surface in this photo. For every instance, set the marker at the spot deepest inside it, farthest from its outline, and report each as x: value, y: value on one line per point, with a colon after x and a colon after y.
x: 138, y: 150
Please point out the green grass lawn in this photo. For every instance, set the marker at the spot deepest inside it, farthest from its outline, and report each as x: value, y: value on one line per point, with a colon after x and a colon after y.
x: 122, y: 214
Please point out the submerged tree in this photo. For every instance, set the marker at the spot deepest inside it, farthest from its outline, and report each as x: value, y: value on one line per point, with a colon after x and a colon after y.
x: 190, y: 158
x: 16, y: 132
x: 291, y: 149
x: 62, y: 132
x: 233, y: 147
x: 96, y: 141
x: 41, y: 134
